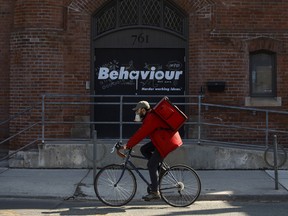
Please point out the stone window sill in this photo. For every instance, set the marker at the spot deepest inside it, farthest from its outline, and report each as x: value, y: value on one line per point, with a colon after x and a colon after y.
x: 263, y: 101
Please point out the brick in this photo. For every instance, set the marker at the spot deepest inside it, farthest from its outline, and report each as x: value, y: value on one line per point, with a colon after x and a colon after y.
x: 45, y: 48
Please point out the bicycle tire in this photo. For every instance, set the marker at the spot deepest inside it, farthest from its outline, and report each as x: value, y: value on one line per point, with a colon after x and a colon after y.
x: 180, y: 186
x: 106, y: 189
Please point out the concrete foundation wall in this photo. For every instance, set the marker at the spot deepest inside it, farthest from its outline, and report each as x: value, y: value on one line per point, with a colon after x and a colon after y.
x: 196, y: 156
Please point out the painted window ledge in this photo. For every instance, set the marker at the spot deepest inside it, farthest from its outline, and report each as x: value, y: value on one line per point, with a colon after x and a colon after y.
x: 263, y: 101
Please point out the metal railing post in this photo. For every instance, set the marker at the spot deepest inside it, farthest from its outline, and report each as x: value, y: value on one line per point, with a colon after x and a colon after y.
x: 199, y: 118
x: 121, y: 118
x: 275, y: 142
x: 267, y: 129
x: 43, y: 119
x: 94, y: 138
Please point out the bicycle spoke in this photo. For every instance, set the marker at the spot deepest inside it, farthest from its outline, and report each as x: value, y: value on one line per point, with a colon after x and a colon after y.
x: 180, y: 186
x: 115, y: 187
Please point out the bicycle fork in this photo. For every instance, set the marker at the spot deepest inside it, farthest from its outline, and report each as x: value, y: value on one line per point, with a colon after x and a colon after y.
x: 122, y: 173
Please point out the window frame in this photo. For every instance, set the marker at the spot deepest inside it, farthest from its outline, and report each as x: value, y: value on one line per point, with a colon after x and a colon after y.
x: 274, y: 73
x: 168, y: 21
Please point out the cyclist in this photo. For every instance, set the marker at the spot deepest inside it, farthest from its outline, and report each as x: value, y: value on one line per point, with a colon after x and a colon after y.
x: 163, y: 141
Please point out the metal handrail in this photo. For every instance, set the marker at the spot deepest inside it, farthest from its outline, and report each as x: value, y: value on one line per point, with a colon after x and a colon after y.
x: 19, y: 132
x: 26, y: 111
x: 199, y: 104
x: 18, y: 150
x: 245, y: 108
x: 17, y: 115
x: 47, y: 99
x: 120, y: 103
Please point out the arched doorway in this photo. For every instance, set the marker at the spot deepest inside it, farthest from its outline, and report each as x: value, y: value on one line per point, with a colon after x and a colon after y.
x: 139, y: 48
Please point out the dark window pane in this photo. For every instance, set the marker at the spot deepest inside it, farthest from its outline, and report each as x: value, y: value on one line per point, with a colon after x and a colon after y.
x: 124, y: 13
x: 106, y: 21
x: 262, y: 72
x: 151, y: 12
x: 172, y: 20
x: 128, y: 12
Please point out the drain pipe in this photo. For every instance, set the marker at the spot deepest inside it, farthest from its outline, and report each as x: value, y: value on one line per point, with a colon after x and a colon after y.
x: 275, y: 142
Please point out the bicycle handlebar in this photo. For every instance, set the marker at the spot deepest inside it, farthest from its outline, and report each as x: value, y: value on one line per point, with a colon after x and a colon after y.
x: 118, y: 146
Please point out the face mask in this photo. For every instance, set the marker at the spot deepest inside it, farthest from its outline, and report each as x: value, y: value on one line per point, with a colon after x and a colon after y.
x: 137, y: 118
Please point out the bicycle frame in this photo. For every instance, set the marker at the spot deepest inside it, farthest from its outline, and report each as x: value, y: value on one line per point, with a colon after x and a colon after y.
x: 175, y: 187
x: 127, y: 161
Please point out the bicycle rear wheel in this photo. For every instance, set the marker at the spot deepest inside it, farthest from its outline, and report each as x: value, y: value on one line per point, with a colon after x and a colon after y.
x: 114, y: 185
x: 180, y: 186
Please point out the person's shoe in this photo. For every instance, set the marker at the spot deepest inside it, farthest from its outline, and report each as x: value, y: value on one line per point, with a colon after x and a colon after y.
x: 152, y: 196
x: 144, y: 197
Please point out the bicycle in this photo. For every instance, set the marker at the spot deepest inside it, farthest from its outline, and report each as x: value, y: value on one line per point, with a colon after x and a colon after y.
x: 115, y: 184
x: 269, y: 155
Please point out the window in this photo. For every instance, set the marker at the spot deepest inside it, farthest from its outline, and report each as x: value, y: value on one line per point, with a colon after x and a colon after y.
x: 129, y: 13
x: 263, y: 74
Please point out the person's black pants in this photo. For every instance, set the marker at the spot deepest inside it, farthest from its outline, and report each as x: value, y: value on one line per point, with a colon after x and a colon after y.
x: 150, y: 152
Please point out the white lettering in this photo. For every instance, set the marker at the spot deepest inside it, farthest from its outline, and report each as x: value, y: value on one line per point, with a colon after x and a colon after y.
x: 103, y: 73
x: 113, y: 75
x: 169, y: 75
x: 134, y: 75
x: 144, y: 74
x: 162, y: 89
x: 159, y: 75
x: 152, y: 73
x: 147, y: 89
x: 178, y: 73
x: 123, y: 74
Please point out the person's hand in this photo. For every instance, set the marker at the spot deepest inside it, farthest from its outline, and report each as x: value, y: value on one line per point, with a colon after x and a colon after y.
x: 125, y: 147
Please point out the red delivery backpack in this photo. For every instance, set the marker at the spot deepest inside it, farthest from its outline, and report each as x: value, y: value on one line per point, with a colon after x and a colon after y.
x: 170, y: 114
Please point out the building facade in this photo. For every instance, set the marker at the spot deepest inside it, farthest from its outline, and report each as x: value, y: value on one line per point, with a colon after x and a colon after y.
x: 232, y: 52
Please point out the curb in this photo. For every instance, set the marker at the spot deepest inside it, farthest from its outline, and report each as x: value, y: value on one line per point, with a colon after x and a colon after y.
x: 259, y: 198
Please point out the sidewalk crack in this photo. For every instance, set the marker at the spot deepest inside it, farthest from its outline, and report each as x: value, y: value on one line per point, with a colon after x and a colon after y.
x: 78, y: 192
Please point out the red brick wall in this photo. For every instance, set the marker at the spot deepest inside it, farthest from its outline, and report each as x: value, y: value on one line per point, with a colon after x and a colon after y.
x: 221, y: 37
x: 6, y: 16
x: 51, y: 49
x: 50, y: 53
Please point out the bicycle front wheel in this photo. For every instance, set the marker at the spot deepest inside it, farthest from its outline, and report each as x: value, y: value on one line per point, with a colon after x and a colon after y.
x: 114, y: 185
x: 180, y: 186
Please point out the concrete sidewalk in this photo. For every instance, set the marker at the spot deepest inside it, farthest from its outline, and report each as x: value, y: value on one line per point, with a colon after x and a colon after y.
x: 78, y: 184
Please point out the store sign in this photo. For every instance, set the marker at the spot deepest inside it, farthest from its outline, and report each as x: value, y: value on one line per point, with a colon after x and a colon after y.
x: 105, y: 73
x: 139, y: 71
x: 127, y: 71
